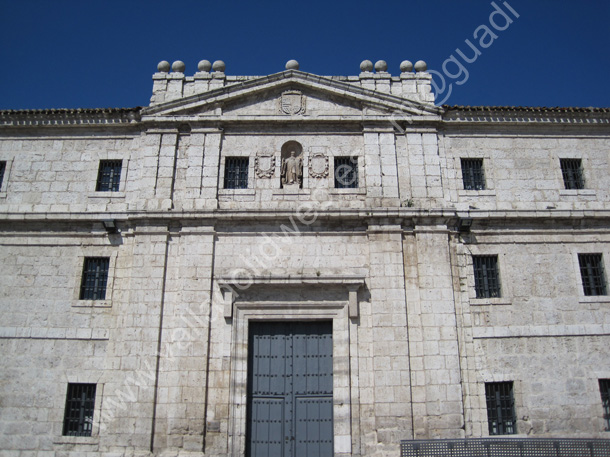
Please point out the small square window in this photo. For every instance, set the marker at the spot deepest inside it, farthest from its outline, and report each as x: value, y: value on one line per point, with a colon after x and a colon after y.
x: 2, y: 171
x: 486, y: 276
x: 473, y: 175
x: 501, y: 416
x: 592, y: 274
x: 604, y: 389
x: 571, y: 169
x: 236, y: 173
x: 109, y: 176
x: 346, y: 172
x: 78, y: 415
x: 95, y: 277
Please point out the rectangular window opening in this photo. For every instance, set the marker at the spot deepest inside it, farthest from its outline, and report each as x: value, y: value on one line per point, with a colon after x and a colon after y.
x: 571, y: 169
x: 501, y: 416
x: 78, y: 415
x: 95, y: 278
x: 236, y: 173
x: 346, y: 172
x: 592, y: 274
x: 473, y: 175
x: 604, y: 389
x: 486, y: 276
x: 2, y: 171
x: 109, y: 176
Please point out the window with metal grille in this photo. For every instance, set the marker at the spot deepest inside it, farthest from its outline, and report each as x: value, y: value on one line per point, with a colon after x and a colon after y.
x: 78, y: 415
x: 2, y: 170
x: 571, y: 169
x: 109, y: 176
x: 604, y: 389
x: 500, y: 408
x: 95, y: 277
x: 473, y: 176
x: 486, y: 276
x: 236, y: 173
x: 346, y: 172
x: 592, y: 274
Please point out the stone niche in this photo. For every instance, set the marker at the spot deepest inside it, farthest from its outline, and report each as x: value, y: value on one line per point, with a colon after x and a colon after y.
x: 291, y: 171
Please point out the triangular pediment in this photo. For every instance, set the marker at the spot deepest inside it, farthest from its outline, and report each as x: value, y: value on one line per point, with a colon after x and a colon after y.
x: 291, y: 93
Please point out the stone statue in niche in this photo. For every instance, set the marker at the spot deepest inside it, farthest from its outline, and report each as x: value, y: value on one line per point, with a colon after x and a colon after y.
x: 292, y: 170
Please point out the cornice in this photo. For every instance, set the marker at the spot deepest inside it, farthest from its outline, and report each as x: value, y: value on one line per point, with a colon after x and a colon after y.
x: 69, y: 117
x: 525, y: 115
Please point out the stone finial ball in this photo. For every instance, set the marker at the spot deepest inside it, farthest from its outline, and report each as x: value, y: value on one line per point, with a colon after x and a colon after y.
x: 406, y: 66
x: 381, y: 65
x: 219, y: 65
x: 420, y: 65
x: 292, y: 65
x: 204, y: 65
x: 163, y: 66
x: 366, y: 65
x: 178, y: 66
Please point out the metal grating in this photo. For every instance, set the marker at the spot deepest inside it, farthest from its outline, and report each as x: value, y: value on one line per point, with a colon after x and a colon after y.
x: 346, y: 172
x: 2, y: 170
x: 473, y: 176
x: 95, y: 277
x: 78, y: 415
x: 592, y: 274
x: 501, y: 416
x: 571, y: 169
x: 109, y: 176
x: 604, y: 389
x: 486, y: 277
x: 236, y: 173
x: 514, y: 447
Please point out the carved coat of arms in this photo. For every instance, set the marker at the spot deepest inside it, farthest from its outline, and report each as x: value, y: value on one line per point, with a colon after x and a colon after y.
x: 292, y: 102
x: 318, y: 165
x: 264, y: 164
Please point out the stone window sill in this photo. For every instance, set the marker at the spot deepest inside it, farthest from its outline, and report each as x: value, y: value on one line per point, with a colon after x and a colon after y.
x: 477, y: 193
x: 106, y: 195
x: 357, y: 191
x: 92, y: 304
x: 2, y: 194
x: 577, y: 192
x: 489, y: 301
x: 231, y: 192
x: 77, y: 440
x: 595, y: 299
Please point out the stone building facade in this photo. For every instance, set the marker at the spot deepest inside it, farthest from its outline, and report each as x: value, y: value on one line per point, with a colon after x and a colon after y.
x: 169, y: 278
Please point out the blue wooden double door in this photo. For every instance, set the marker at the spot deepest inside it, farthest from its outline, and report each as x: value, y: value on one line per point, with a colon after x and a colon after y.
x: 290, y: 389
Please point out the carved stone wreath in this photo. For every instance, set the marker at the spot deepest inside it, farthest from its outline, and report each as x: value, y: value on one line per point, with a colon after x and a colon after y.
x: 292, y: 102
x: 264, y: 165
x: 318, y: 165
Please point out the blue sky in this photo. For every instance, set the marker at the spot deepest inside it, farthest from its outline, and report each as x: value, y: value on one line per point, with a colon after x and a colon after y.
x: 95, y: 54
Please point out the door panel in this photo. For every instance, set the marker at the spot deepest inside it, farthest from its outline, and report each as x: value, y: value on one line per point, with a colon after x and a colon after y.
x: 290, y: 383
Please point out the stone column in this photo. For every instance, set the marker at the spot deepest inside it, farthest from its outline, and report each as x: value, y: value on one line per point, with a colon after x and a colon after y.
x: 433, y: 342
x: 385, y: 408
x: 183, y: 381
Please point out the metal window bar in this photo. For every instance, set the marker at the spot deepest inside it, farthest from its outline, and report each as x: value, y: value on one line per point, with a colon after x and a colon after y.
x: 571, y: 169
x: 486, y: 277
x: 78, y: 415
x: 506, y: 447
x: 109, y: 176
x: 236, y: 173
x: 2, y: 169
x: 604, y: 389
x: 473, y: 176
x: 500, y: 408
x: 592, y: 274
x: 346, y: 172
x: 95, y: 277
